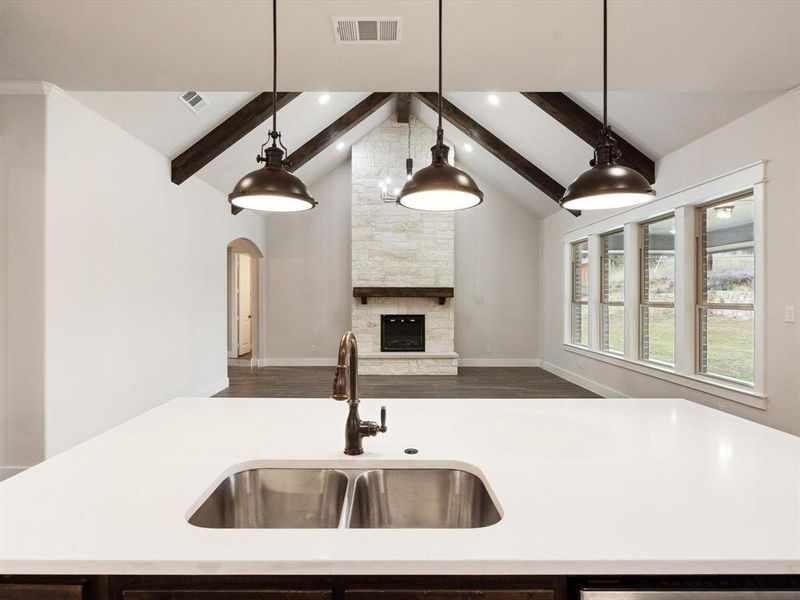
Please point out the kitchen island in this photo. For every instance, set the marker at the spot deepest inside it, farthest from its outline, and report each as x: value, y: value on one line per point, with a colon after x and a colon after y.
x: 584, y: 487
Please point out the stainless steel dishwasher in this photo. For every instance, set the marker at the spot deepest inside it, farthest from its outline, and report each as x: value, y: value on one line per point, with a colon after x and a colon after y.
x: 629, y: 594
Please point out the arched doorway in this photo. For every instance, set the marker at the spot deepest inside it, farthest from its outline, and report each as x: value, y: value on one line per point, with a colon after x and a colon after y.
x: 243, y: 302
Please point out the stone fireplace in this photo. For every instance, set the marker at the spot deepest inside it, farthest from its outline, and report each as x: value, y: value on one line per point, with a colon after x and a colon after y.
x: 400, y: 251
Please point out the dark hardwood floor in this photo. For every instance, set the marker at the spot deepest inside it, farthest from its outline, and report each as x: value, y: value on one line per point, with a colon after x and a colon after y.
x: 471, y: 382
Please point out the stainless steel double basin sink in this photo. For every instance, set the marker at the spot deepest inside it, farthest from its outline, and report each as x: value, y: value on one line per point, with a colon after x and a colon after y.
x: 348, y: 498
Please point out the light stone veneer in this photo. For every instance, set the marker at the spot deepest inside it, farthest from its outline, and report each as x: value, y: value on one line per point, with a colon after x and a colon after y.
x: 393, y: 246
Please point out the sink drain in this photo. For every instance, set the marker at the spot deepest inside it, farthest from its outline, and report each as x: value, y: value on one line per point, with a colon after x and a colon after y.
x: 410, y: 450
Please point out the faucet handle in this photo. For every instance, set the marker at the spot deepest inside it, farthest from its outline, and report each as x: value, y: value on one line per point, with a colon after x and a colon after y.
x: 382, y: 428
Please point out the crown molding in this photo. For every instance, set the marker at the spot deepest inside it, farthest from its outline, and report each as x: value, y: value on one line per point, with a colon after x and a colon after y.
x: 44, y: 88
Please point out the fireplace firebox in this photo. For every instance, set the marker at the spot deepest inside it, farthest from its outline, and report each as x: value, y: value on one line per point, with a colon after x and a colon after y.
x: 402, y: 333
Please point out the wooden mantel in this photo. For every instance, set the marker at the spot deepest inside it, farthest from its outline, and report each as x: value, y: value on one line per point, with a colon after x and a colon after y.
x: 442, y: 293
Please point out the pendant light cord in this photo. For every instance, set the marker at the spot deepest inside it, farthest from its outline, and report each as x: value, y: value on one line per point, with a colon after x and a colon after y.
x: 605, y: 65
x: 274, y: 71
x: 440, y: 66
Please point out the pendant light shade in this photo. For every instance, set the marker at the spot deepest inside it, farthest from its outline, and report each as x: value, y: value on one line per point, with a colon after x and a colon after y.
x: 272, y: 188
x: 607, y: 184
x: 440, y: 186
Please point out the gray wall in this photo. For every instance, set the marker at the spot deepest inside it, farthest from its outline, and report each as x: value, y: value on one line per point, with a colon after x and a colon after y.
x: 308, y: 275
x: 22, y: 176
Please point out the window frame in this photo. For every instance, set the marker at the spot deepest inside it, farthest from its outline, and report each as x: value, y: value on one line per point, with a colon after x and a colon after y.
x: 700, y: 291
x: 643, y: 304
x: 575, y: 297
x: 604, y: 302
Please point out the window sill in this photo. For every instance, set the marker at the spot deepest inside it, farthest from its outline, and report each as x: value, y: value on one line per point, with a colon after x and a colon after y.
x: 708, y: 385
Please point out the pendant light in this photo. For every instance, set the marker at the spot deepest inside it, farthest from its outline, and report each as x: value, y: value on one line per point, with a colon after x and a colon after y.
x: 272, y: 188
x: 607, y: 184
x: 440, y: 186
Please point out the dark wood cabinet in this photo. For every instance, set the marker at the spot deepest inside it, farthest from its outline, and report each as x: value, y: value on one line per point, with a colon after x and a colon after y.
x: 450, y: 594
x: 227, y: 594
x: 41, y: 591
x: 365, y: 587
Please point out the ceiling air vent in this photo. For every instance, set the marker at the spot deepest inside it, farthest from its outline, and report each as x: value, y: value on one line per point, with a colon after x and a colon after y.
x: 367, y: 30
x: 194, y: 101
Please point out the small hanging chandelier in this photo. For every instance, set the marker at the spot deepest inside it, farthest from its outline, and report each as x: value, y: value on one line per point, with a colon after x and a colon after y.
x: 272, y: 188
x: 391, y: 198
x: 607, y: 184
x: 440, y: 186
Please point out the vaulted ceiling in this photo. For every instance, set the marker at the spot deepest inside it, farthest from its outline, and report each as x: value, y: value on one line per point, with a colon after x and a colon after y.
x: 678, y: 70
x: 655, y: 124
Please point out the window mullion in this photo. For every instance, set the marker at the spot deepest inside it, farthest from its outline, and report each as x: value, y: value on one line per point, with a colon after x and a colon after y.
x: 632, y: 284
x: 685, y: 298
x: 595, y: 254
x: 568, y: 292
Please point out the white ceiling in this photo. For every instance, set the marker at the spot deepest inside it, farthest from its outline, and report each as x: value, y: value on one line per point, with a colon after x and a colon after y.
x: 159, y: 119
x: 655, y: 45
x: 657, y: 123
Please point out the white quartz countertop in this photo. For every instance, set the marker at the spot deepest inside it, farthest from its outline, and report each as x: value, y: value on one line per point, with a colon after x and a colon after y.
x: 585, y: 486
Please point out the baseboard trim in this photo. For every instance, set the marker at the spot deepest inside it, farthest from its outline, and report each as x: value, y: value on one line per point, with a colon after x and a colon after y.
x: 242, y: 362
x: 592, y: 386
x: 297, y: 362
x: 6, y: 472
x: 499, y: 362
x: 462, y: 362
x: 210, y: 389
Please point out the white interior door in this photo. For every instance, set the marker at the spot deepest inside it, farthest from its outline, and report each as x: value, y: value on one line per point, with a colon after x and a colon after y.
x: 244, y: 316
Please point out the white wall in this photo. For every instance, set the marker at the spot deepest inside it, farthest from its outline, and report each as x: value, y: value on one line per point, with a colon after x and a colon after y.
x: 771, y: 132
x: 497, y: 281
x: 131, y: 282
x: 308, y: 285
x: 22, y: 164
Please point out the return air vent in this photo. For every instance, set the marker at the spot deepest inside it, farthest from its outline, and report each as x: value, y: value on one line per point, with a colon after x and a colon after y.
x: 368, y: 30
x: 194, y: 101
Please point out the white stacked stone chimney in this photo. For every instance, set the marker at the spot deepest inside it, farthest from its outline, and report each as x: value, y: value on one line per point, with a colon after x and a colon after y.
x: 393, y: 246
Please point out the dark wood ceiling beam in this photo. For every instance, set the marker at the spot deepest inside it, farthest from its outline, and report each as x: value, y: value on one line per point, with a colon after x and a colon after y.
x: 497, y: 147
x: 403, y: 106
x: 332, y: 132
x: 226, y: 134
x: 337, y: 129
x: 583, y: 124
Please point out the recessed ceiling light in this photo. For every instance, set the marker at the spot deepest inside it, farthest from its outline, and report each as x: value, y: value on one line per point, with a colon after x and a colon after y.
x: 324, y: 98
x: 340, y: 146
x: 467, y: 147
x: 493, y: 99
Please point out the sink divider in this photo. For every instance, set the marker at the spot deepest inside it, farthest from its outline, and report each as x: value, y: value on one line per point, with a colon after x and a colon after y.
x: 347, y: 504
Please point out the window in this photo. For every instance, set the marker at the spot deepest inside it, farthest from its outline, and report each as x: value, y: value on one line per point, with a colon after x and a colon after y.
x: 580, y: 293
x: 726, y: 289
x: 694, y: 259
x: 612, y: 293
x: 658, y: 291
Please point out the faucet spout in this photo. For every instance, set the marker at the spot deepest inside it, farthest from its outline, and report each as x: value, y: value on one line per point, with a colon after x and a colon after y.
x: 348, y: 349
x: 345, y: 388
